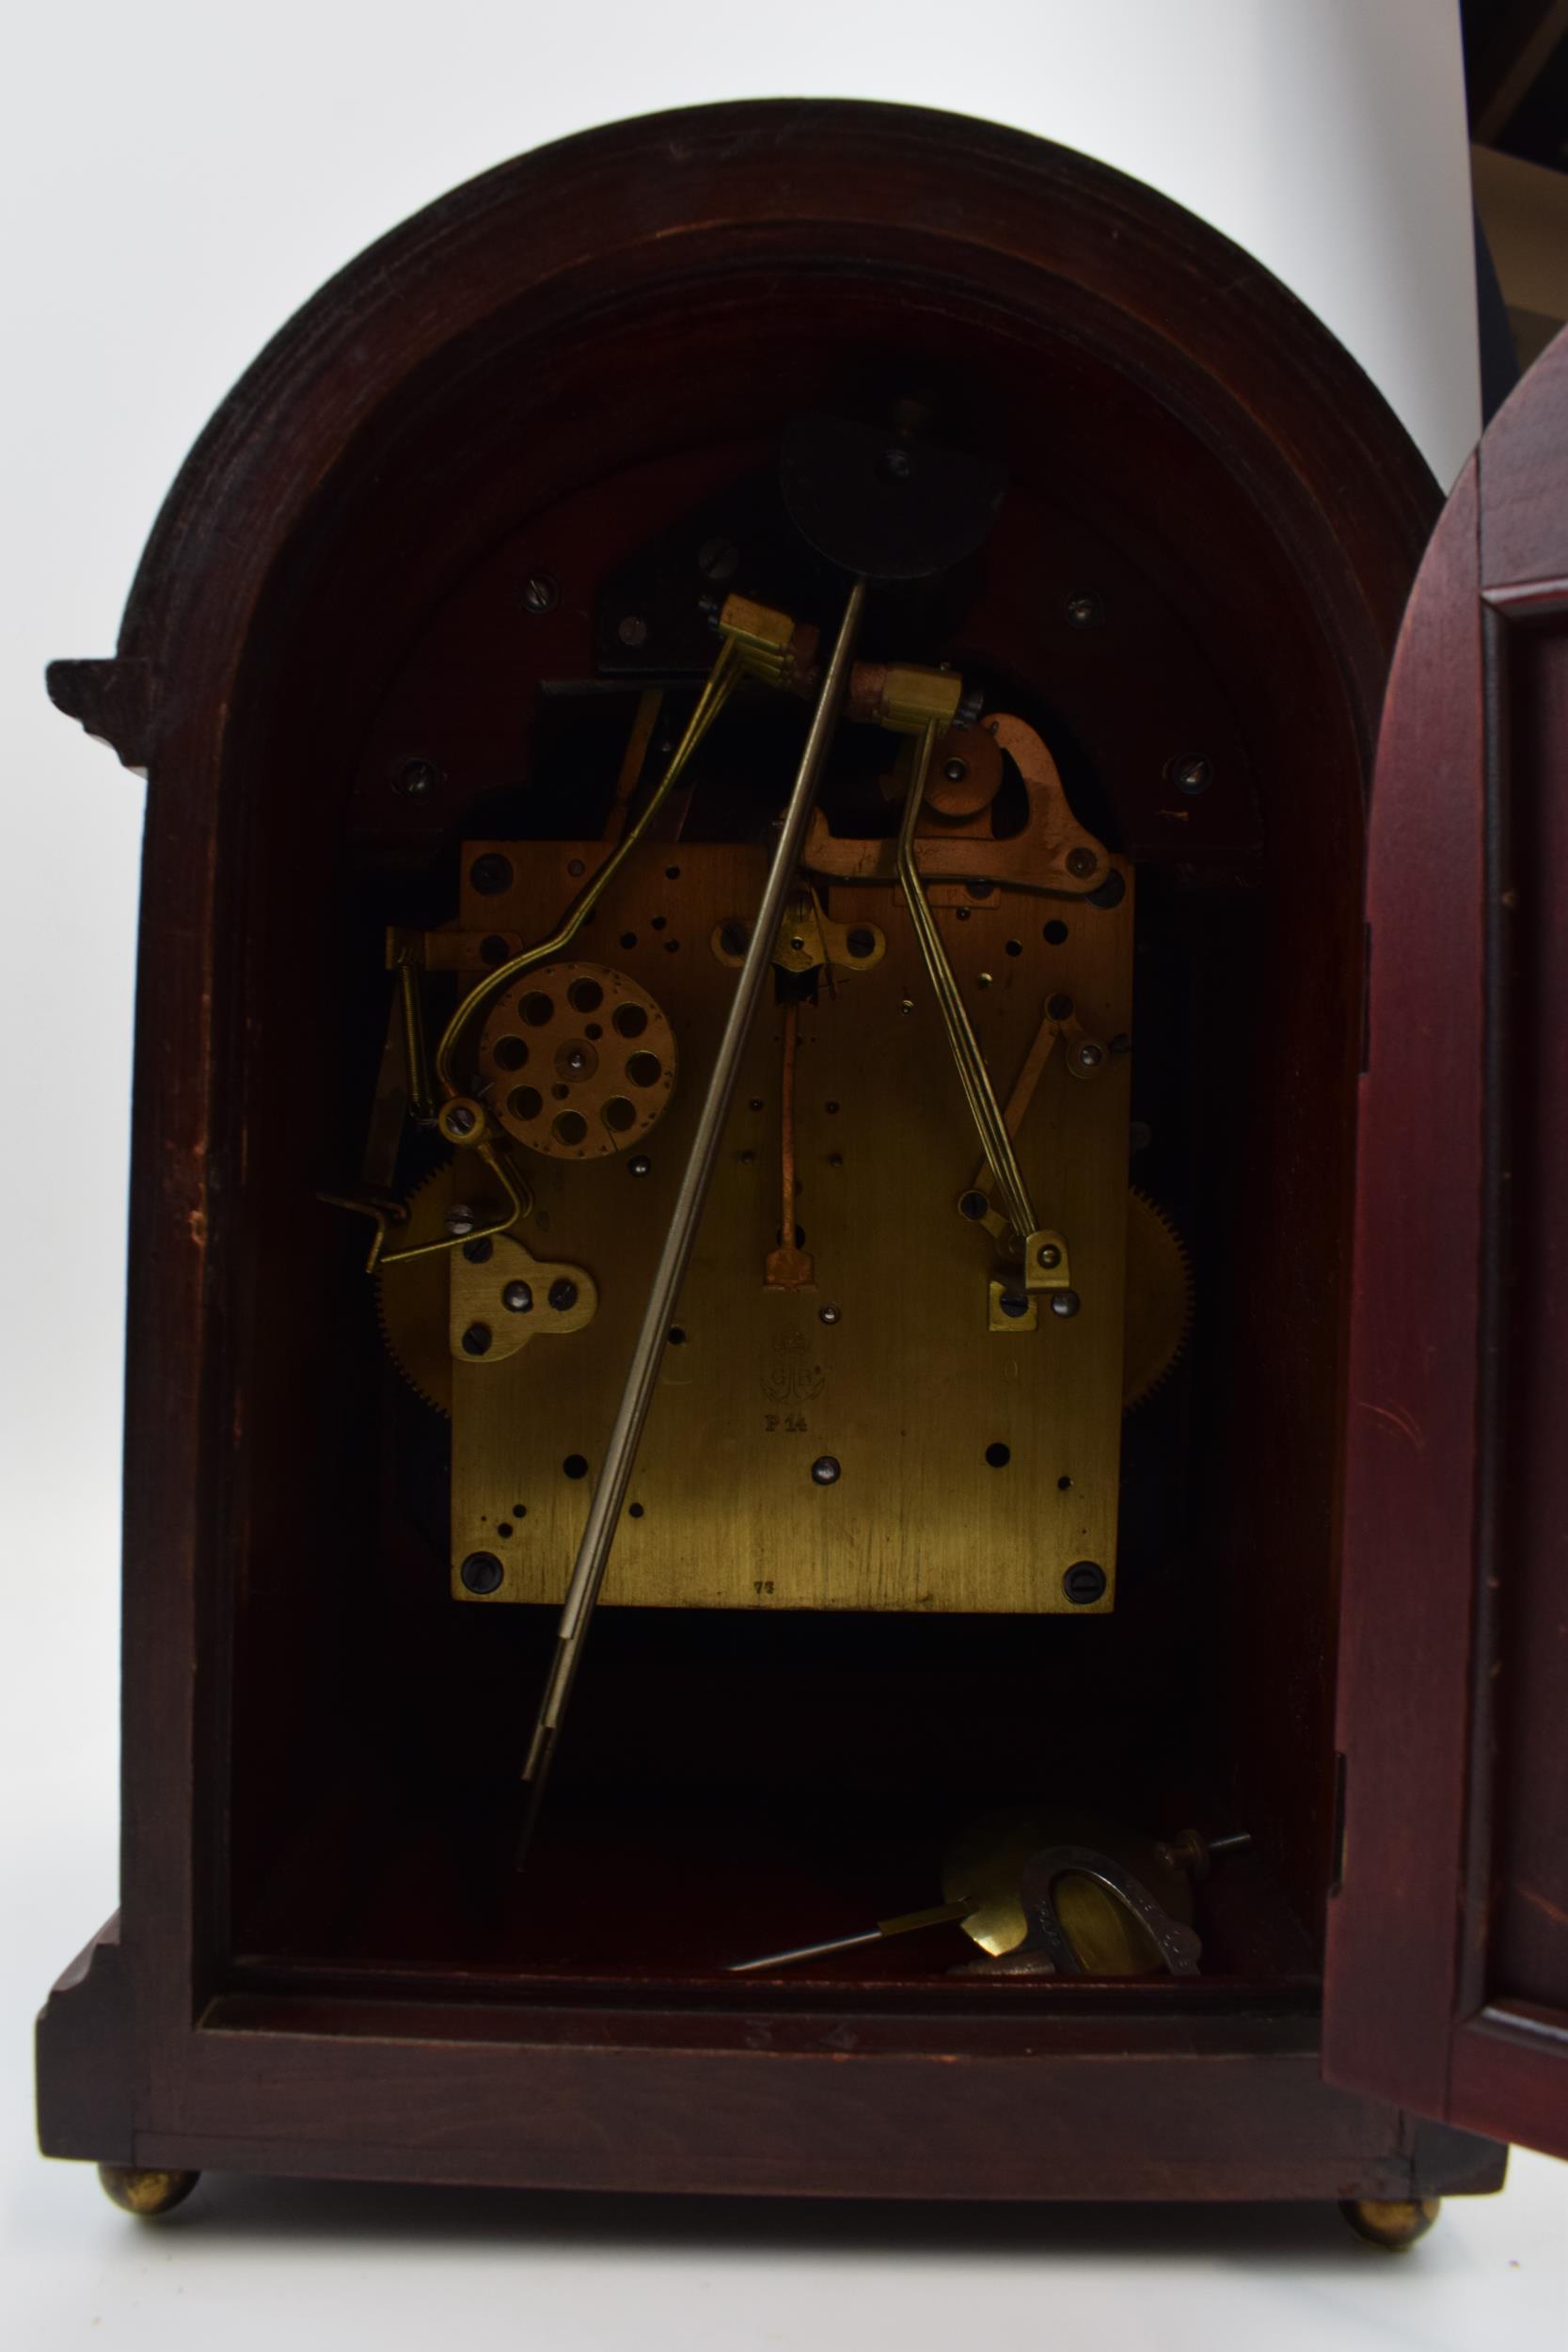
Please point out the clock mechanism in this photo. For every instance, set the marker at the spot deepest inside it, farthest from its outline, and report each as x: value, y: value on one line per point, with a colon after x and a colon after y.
x: 748, y: 1170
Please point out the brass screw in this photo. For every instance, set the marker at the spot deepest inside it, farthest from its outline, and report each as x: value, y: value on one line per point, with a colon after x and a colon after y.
x: 1191, y: 776
x: 476, y: 1339
x: 517, y: 1299
x: 460, y: 1120
x: 640, y: 1166
x: 460, y: 1220
x: 540, y: 593
x: 563, y: 1296
x: 1065, y: 1302
x: 1080, y: 862
x: 1048, y: 1255
x: 828, y: 1314
x: 825, y: 1471
x: 1090, y: 1055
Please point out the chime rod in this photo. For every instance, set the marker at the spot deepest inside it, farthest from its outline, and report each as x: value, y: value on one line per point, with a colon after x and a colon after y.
x: 970, y: 1062
x: 610, y: 1493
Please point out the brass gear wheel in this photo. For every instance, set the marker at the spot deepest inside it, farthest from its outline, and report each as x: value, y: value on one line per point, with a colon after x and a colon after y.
x: 1159, y: 1306
x: 411, y: 1293
x: 577, y: 1061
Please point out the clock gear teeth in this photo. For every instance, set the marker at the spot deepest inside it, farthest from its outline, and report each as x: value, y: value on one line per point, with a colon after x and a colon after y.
x: 1160, y: 1300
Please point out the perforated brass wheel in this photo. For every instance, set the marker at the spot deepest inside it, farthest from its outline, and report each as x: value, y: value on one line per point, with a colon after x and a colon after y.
x: 577, y: 1062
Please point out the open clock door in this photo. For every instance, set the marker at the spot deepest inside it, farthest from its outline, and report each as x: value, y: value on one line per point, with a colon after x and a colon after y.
x: 1448, y: 1937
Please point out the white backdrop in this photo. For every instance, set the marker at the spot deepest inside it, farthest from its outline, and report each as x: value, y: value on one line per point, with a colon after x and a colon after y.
x: 181, y: 174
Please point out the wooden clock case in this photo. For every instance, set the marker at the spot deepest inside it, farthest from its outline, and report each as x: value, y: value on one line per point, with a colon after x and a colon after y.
x: 310, y: 1971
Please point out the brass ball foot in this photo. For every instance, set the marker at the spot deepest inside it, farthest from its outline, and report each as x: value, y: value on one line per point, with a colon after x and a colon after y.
x: 148, y: 2194
x: 1395, y: 2224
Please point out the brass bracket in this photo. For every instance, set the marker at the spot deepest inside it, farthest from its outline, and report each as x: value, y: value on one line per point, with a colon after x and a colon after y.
x: 809, y: 940
x: 1009, y: 1309
x: 769, y: 645
x: 501, y: 1301
x: 905, y: 699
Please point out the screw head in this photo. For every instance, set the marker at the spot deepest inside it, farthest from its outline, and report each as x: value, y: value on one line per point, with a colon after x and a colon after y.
x: 718, y: 560
x: 476, y: 1339
x: 562, y: 1295
x: 640, y: 1165
x: 477, y: 1251
x: 540, y: 593
x: 1014, y: 1303
x: 633, y: 631
x: 1191, y: 775
x: 1084, y: 610
x: 460, y: 1219
x: 896, y: 463
x: 482, y: 1572
x: 956, y: 771
x: 1083, y: 1581
x: 577, y: 1058
x: 1064, y: 1303
x: 981, y: 889
x: 829, y: 1314
x: 416, y: 778
x: 974, y: 1205
x: 491, y: 873
x: 825, y: 1471
x: 1048, y: 1255
x: 1080, y: 862
x: 517, y: 1299
x: 461, y: 1121
x: 1090, y: 1055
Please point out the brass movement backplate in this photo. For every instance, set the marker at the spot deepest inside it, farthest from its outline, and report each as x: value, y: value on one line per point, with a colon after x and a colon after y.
x: 869, y: 1441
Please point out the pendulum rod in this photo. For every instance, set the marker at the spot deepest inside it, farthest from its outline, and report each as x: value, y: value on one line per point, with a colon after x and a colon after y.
x: 609, y: 1492
x: 907, y: 1923
x: 978, y: 1091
